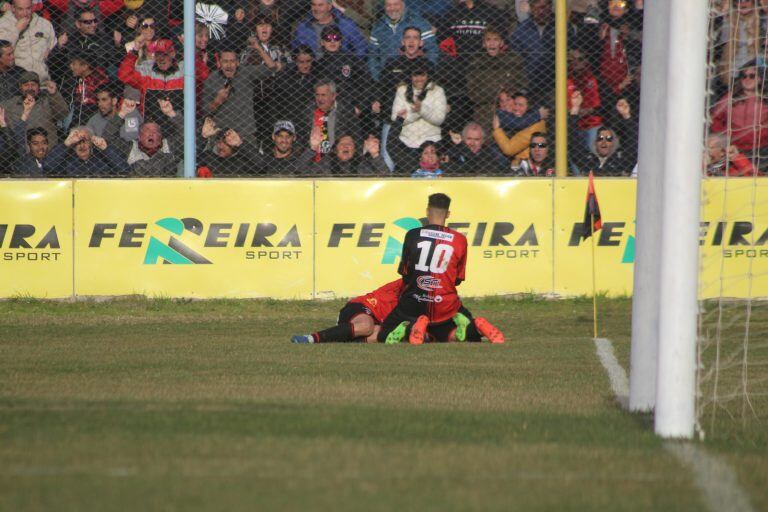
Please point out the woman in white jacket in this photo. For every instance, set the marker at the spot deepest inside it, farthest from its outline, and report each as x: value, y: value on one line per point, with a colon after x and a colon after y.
x: 421, y: 107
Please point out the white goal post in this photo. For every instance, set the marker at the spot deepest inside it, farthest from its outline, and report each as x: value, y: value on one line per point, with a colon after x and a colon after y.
x: 671, y: 296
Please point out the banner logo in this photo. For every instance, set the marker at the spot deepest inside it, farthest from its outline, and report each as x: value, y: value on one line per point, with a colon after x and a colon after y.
x: 175, y: 252
x: 263, y: 241
x: 502, y: 239
x: 25, y: 243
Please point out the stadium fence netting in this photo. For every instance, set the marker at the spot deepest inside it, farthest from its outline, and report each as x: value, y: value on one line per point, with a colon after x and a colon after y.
x: 422, y: 88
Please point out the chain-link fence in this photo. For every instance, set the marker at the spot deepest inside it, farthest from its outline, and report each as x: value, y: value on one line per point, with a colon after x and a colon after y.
x: 421, y: 88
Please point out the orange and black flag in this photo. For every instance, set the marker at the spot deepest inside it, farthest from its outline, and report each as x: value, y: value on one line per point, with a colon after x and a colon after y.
x: 591, y: 210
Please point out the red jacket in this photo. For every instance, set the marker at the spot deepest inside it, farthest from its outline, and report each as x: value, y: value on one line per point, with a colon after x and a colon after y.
x: 154, y: 84
x: 85, y: 89
x: 739, y: 166
x: 614, y: 67
x: 748, y: 127
x: 107, y: 7
x: 587, y: 84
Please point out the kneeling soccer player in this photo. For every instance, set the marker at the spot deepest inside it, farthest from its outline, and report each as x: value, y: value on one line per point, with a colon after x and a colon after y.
x: 360, y: 317
x: 433, y: 264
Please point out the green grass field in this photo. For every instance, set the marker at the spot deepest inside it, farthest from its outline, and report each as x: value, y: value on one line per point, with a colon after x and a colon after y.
x: 171, y: 405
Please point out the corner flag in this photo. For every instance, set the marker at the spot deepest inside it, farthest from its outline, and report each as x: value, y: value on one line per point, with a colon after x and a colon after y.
x: 592, y: 220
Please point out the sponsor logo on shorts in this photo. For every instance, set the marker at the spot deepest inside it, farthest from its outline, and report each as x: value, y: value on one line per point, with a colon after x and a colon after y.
x: 426, y: 298
x: 428, y: 283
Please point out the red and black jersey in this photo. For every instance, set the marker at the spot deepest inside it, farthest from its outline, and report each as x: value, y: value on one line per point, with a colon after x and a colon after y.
x: 432, y: 265
x: 382, y: 300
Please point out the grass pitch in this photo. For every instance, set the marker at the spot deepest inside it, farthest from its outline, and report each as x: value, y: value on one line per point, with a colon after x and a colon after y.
x: 167, y: 405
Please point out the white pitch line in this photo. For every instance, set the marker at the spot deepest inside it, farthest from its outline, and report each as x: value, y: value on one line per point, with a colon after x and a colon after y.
x: 715, y: 479
x: 616, y: 373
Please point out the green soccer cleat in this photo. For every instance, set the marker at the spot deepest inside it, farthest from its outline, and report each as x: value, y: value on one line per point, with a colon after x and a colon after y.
x: 462, y: 322
x: 397, y: 334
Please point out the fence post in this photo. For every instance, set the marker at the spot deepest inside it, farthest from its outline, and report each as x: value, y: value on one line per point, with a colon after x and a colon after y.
x: 189, y: 89
x: 561, y: 89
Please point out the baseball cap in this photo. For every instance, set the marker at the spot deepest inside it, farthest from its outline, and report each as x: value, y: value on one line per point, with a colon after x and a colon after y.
x: 29, y: 76
x: 162, y: 46
x: 284, y: 126
x: 331, y: 31
x: 129, y: 93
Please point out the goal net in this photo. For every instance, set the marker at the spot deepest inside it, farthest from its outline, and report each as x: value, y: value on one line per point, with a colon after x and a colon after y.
x: 732, y: 376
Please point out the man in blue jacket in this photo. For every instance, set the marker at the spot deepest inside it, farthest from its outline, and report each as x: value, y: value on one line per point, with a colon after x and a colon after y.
x: 387, y: 35
x: 323, y: 14
x: 76, y: 157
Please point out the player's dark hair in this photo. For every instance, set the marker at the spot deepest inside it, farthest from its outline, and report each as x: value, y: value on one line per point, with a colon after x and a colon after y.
x: 439, y: 201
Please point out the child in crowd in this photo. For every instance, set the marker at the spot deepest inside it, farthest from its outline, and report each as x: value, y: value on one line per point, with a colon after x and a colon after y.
x: 261, y: 49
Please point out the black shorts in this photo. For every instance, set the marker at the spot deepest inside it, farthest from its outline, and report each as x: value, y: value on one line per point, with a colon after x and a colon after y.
x: 438, y: 332
x: 351, y: 310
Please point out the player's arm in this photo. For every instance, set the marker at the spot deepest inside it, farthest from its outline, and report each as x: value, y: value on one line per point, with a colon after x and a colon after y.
x: 462, y: 268
x: 405, y: 257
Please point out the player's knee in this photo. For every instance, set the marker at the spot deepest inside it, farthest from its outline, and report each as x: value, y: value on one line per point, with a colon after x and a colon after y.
x: 363, y: 326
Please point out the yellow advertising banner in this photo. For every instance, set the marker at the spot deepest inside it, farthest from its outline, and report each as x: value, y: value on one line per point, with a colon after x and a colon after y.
x: 194, y: 238
x: 614, y: 244
x: 734, y: 238
x: 361, y: 224
x: 36, y: 239
x: 326, y: 238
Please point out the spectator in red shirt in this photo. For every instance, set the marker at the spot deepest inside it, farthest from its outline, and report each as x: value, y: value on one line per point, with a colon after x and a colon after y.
x: 743, y: 114
x: 723, y: 160
x: 614, y: 61
x: 580, y: 78
x: 161, y: 78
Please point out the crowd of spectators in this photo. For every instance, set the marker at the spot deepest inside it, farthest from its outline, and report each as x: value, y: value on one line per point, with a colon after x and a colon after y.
x: 422, y: 88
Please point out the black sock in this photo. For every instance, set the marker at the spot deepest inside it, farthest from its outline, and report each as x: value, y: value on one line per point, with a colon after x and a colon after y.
x: 472, y: 333
x: 341, y: 332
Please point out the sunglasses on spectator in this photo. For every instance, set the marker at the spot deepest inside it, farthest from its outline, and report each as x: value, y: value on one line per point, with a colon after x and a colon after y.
x: 89, y: 22
x: 332, y: 37
x: 147, y: 25
x: 540, y: 145
x: 749, y: 75
x: 609, y: 138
